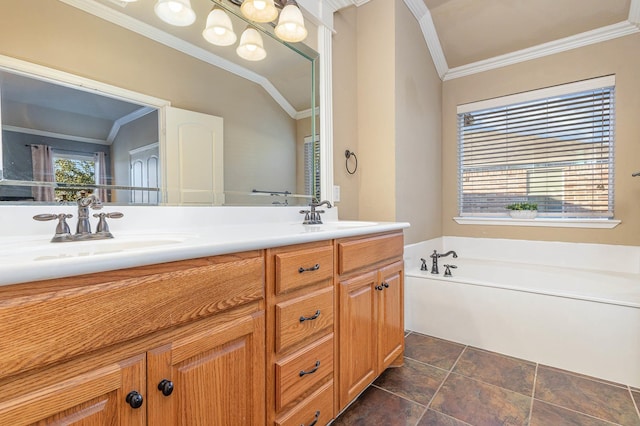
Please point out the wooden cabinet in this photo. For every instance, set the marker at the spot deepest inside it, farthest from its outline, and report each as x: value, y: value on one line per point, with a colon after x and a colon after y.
x: 93, y: 340
x: 213, y: 377
x: 371, y: 320
x: 300, y: 305
x: 96, y: 397
x: 287, y: 337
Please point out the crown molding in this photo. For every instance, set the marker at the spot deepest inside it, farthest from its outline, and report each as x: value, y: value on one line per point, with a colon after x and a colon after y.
x: 115, y: 128
x: 579, y: 40
x: 423, y: 16
x: 48, y: 134
x: 634, y: 12
x: 153, y: 33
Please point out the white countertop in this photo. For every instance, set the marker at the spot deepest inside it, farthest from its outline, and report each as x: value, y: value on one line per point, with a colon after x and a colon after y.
x: 187, y: 233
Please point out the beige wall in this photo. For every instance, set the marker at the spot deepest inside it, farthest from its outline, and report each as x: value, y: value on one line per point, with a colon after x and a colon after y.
x: 619, y: 57
x: 418, y: 132
x: 345, y: 110
x: 391, y: 120
x: 62, y: 37
x: 376, y: 110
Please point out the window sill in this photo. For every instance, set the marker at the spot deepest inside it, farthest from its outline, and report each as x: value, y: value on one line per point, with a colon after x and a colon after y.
x: 540, y: 221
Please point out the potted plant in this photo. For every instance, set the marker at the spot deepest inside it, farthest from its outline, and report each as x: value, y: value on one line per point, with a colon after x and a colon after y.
x: 523, y: 210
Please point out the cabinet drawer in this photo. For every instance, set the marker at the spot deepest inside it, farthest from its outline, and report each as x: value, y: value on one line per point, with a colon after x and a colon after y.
x: 363, y: 252
x: 298, y: 319
x: 71, y: 316
x: 303, y: 267
x: 302, y: 370
x: 318, y: 408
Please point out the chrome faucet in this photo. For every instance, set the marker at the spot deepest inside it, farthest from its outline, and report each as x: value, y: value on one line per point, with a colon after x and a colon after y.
x: 83, y: 228
x: 435, y: 256
x: 312, y: 216
x: 84, y: 203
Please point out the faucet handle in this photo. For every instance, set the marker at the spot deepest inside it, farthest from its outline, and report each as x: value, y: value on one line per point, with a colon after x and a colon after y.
x: 447, y: 269
x: 103, y: 227
x: 63, y: 233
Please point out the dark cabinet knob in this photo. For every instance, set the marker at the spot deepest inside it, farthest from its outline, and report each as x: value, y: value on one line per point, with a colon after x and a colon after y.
x: 166, y: 387
x: 385, y: 285
x: 134, y: 399
x: 379, y: 287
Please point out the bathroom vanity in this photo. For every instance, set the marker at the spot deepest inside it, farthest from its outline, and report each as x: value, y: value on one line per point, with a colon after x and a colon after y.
x: 286, y: 331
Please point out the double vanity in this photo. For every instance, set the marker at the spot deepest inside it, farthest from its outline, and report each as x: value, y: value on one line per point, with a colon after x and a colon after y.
x: 202, y: 316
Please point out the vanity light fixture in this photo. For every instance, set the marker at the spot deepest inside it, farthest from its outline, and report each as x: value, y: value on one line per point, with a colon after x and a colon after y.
x: 251, y: 47
x: 175, y: 12
x: 219, y: 30
x: 259, y: 10
x: 291, y: 23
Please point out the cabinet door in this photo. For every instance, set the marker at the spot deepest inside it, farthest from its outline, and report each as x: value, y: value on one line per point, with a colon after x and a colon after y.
x: 95, y: 398
x: 358, y: 340
x: 217, y: 377
x: 390, y: 314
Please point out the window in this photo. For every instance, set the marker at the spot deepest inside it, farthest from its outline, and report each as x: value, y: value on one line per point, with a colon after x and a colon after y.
x: 73, y: 169
x: 552, y: 147
x: 312, y: 167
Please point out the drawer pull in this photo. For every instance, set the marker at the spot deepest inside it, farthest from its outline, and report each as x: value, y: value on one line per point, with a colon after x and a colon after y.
x: 313, y: 268
x: 315, y: 419
x: 313, y: 370
x: 317, y: 314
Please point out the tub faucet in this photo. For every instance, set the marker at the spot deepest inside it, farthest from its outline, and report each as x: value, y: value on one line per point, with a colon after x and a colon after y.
x: 435, y: 256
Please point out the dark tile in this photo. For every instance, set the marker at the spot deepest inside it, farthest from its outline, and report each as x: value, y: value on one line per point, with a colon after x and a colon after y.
x: 437, y: 352
x: 378, y: 407
x: 433, y: 418
x: 500, y: 370
x: 636, y: 397
x: 414, y: 380
x: 584, y: 376
x: 578, y: 393
x: 479, y: 403
x: 544, y: 414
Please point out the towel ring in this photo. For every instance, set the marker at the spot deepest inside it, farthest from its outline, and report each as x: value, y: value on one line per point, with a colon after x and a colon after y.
x: 348, y: 154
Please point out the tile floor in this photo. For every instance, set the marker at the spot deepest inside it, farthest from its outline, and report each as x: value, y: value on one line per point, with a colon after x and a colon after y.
x: 449, y: 384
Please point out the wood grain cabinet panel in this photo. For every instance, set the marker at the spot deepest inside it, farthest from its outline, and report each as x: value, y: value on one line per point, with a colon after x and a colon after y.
x: 303, y: 317
x: 317, y: 409
x: 371, y: 311
x: 355, y: 254
x: 73, y: 349
x: 299, y: 372
x: 301, y: 268
x: 94, y: 398
x: 217, y: 377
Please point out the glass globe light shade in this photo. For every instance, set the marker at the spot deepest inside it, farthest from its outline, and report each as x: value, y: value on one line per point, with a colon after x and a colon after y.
x: 219, y: 30
x: 175, y: 12
x: 259, y: 10
x: 291, y: 24
x: 251, y: 47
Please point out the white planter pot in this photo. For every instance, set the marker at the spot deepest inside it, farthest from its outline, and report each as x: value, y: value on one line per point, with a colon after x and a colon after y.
x: 523, y: 214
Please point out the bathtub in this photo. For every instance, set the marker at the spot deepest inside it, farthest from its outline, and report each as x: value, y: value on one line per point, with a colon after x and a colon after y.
x: 517, y: 298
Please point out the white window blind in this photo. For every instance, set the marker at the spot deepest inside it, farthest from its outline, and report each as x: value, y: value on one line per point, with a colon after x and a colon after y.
x: 556, y: 151
x: 312, y: 167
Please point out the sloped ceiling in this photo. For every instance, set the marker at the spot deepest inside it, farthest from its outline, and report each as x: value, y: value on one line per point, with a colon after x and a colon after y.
x: 469, y: 36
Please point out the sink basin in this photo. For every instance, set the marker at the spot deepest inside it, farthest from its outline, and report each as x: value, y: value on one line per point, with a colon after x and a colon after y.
x: 43, y: 249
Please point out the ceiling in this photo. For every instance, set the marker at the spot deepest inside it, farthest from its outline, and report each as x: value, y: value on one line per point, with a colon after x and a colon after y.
x: 285, y: 74
x: 468, y: 36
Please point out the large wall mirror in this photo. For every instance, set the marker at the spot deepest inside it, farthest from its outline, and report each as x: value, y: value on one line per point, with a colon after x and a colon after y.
x: 61, y: 134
